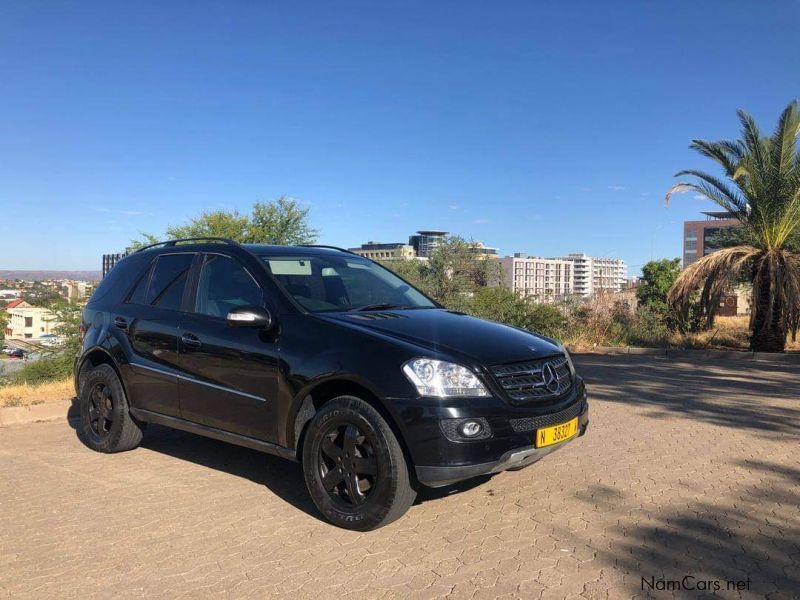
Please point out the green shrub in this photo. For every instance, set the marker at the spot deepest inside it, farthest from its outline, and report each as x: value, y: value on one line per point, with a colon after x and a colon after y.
x: 647, y: 328
x: 48, y: 368
x: 504, y: 306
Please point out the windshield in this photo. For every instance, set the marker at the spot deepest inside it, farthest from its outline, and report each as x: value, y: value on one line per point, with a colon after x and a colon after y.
x: 335, y: 283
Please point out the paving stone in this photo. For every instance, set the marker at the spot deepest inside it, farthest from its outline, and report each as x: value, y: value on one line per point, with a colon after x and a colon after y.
x: 687, y: 469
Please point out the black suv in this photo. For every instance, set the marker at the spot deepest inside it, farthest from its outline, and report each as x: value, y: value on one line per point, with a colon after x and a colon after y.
x: 321, y: 356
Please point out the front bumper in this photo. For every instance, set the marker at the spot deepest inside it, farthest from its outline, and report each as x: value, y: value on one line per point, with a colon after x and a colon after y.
x: 441, y: 461
x: 438, y: 476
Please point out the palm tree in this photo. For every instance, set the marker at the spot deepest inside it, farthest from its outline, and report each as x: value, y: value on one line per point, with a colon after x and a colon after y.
x: 762, y: 190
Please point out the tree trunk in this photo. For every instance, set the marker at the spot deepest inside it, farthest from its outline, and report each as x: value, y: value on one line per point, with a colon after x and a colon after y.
x: 794, y: 324
x: 769, y: 334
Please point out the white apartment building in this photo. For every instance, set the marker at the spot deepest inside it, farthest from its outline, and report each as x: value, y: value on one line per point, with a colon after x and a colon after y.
x: 28, y: 322
x: 543, y: 279
x: 594, y: 274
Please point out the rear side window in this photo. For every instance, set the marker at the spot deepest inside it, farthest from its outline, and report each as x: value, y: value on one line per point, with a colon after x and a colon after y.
x: 137, y: 295
x: 119, y: 280
x: 168, y: 281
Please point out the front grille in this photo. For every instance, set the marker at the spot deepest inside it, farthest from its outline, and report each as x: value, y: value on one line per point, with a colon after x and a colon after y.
x: 532, y: 423
x: 528, y: 381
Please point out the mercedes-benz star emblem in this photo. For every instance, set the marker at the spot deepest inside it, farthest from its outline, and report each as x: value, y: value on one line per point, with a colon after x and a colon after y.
x: 550, y: 377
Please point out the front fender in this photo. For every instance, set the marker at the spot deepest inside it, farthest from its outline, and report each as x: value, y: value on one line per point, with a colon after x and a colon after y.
x: 342, y: 382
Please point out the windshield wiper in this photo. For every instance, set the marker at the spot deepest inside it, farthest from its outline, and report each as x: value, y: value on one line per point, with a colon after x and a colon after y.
x: 380, y: 306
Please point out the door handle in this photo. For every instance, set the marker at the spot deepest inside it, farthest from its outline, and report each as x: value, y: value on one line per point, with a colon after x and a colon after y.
x: 190, y: 340
x: 120, y: 323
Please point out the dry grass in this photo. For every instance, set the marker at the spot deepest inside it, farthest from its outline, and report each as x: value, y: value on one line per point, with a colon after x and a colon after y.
x: 727, y: 333
x: 27, y: 395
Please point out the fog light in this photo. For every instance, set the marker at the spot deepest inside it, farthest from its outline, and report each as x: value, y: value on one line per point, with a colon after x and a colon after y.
x: 471, y: 428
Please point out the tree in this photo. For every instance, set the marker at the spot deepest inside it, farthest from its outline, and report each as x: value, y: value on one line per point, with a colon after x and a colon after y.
x: 658, y: 277
x: 454, y: 271
x: 281, y: 222
x: 412, y: 270
x: 220, y: 223
x: 40, y: 294
x: 762, y: 191
x: 67, y: 319
x: 794, y: 323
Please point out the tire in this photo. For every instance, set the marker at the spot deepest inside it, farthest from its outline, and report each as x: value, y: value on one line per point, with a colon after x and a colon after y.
x: 354, y: 467
x: 106, y: 421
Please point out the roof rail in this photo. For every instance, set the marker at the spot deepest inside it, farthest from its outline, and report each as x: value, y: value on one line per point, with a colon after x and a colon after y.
x: 329, y: 248
x: 194, y: 239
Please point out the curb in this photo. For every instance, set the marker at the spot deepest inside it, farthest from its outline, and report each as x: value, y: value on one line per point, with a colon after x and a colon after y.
x: 48, y: 411
x: 681, y: 353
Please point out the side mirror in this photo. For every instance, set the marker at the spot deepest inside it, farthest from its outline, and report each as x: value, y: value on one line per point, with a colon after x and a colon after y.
x: 250, y: 316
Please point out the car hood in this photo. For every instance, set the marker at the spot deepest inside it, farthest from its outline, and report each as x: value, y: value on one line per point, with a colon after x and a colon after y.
x: 441, y: 330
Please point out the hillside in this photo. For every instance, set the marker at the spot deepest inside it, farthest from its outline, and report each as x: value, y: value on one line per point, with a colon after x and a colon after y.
x: 45, y: 275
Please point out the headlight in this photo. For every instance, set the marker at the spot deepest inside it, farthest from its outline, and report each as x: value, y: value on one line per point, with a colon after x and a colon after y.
x: 442, y: 379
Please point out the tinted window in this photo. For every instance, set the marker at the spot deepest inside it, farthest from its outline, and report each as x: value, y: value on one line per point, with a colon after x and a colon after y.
x: 138, y: 294
x: 225, y: 284
x: 169, y: 280
x: 119, y: 280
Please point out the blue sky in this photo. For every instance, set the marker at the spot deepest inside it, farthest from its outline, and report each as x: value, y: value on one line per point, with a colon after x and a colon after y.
x: 535, y: 127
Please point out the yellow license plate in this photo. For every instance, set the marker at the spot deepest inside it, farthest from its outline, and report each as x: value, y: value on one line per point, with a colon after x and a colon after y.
x: 556, y: 434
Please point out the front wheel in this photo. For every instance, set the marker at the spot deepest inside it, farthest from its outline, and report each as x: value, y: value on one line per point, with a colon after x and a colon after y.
x: 354, y: 467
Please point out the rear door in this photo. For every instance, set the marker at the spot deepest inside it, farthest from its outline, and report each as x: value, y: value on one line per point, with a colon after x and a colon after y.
x: 151, y: 318
x: 231, y: 373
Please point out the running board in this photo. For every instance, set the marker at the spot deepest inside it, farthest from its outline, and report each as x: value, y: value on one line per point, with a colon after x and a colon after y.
x: 212, y: 432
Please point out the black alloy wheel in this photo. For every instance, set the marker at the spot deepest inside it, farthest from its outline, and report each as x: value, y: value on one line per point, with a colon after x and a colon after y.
x: 354, y: 467
x: 106, y: 422
x: 101, y: 406
x: 347, y: 464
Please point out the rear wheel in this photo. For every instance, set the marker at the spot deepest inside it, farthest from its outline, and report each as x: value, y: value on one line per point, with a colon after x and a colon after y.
x: 354, y: 467
x: 106, y: 422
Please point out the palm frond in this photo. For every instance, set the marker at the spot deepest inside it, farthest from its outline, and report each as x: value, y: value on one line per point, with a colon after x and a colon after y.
x: 712, y: 194
x: 792, y: 281
x: 727, y: 154
x: 784, y: 140
x: 713, y: 273
x: 732, y: 196
x: 753, y: 140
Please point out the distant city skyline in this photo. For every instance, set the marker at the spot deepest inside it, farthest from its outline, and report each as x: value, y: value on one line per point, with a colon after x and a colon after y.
x: 537, y: 128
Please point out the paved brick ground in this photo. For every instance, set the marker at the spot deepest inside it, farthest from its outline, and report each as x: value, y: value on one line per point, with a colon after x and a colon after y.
x: 687, y: 469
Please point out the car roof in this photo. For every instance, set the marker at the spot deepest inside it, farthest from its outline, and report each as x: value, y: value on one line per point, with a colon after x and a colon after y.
x: 268, y: 249
x: 257, y: 249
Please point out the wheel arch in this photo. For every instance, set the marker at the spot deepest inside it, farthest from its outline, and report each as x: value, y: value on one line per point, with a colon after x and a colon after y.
x: 316, y: 397
x: 94, y: 358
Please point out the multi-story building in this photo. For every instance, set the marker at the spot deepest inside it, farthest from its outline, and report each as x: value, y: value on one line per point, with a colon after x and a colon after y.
x: 109, y: 260
x: 391, y: 251
x: 76, y: 290
x: 28, y: 322
x: 543, y: 279
x: 697, y: 234
x: 482, y: 249
x: 594, y: 274
x: 424, y: 242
